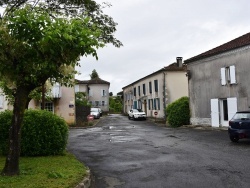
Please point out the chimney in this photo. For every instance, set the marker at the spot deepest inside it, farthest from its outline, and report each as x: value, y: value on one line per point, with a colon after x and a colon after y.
x: 179, y: 61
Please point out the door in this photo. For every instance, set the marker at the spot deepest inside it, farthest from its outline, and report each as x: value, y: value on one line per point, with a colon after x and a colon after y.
x: 224, y: 112
x: 215, y: 120
x: 228, y: 109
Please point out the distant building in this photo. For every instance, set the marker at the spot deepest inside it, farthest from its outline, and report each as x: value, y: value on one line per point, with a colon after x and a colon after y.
x: 97, y: 91
x: 62, y: 103
x: 154, y: 92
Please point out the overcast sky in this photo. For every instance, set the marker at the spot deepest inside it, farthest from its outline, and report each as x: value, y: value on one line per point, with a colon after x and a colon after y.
x: 155, y: 32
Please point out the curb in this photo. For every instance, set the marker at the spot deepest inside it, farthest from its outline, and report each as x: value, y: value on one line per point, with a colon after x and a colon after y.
x: 86, y: 182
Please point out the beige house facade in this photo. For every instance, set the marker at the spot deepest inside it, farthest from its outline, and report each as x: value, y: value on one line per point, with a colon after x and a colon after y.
x: 97, y: 91
x: 154, y: 92
x: 62, y: 103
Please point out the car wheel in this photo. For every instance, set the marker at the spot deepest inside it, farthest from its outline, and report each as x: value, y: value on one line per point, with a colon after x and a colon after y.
x: 128, y: 117
x: 234, y: 138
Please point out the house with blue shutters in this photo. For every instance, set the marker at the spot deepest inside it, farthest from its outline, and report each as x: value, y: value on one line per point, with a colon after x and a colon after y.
x: 155, y: 91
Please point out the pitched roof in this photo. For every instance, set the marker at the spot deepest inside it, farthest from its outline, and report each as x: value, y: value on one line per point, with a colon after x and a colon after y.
x: 172, y: 67
x: 241, y: 41
x: 92, y: 81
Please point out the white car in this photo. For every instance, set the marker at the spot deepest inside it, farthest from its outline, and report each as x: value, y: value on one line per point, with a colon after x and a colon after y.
x: 95, y: 112
x: 136, y: 114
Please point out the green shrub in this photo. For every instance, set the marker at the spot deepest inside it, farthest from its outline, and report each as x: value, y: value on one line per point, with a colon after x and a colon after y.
x: 178, y: 112
x: 42, y: 133
x: 5, y: 121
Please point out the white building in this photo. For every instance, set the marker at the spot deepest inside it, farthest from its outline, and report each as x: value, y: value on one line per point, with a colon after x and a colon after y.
x: 154, y: 92
x: 97, y: 91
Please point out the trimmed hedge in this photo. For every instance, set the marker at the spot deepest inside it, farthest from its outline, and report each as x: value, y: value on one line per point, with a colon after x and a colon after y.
x: 43, y: 133
x: 178, y: 112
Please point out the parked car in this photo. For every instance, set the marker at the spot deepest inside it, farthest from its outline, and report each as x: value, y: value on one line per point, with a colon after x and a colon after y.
x: 95, y: 112
x: 136, y: 114
x: 239, y: 126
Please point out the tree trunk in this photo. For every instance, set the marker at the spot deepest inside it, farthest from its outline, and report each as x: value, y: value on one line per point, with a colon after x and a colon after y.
x: 11, y: 167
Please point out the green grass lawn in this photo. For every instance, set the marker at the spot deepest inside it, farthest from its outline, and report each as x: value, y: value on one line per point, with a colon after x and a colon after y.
x: 46, y: 172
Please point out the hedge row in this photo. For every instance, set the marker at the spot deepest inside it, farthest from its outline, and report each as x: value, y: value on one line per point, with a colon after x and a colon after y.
x: 42, y: 133
x: 178, y: 112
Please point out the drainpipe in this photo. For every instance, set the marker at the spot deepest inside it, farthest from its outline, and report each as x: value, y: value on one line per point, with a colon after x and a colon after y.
x: 164, y: 95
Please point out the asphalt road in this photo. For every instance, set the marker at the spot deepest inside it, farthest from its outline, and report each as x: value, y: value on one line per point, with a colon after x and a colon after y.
x: 123, y: 153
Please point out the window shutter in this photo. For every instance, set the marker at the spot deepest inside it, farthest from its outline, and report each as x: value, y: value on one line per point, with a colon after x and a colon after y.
x: 232, y: 74
x: 135, y: 104
x: 159, y: 106
x: 223, y: 76
x: 1, y: 101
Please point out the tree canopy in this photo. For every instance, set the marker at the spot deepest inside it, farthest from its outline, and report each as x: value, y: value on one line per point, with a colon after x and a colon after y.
x: 41, y: 40
x: 94, y: 75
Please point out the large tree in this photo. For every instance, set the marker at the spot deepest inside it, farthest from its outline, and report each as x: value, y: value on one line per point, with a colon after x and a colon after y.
x: 37, y: 42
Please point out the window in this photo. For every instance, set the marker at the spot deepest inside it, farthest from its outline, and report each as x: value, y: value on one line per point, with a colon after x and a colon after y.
x: 135, y: 91
x: 103, y: 103
x: 139, y: 90
x: 156, y: 85
x: 150, y: 87
x: 154, y: 104
x: 135, y: 104
x: 228, y: 75
x: 159, y: 105
x: 48, y: 106
x: 103, y: 93
x: 96, y: 103
x: 149, y: 104
x: 144, y: 89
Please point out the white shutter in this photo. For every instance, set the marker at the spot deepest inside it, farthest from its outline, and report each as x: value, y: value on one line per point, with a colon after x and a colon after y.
x: 232, y: 74
x: 232, y: 107
x: 215, y: 120
x: 77, y: 88
x: 1, y: 101
x: 223, y: 76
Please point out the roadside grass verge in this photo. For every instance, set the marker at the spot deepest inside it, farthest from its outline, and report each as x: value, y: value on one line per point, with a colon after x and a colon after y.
x: 43, y: 172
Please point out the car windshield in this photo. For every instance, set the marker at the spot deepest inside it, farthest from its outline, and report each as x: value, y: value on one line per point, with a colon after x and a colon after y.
x: 239, y: 116
x: 94, y: 109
